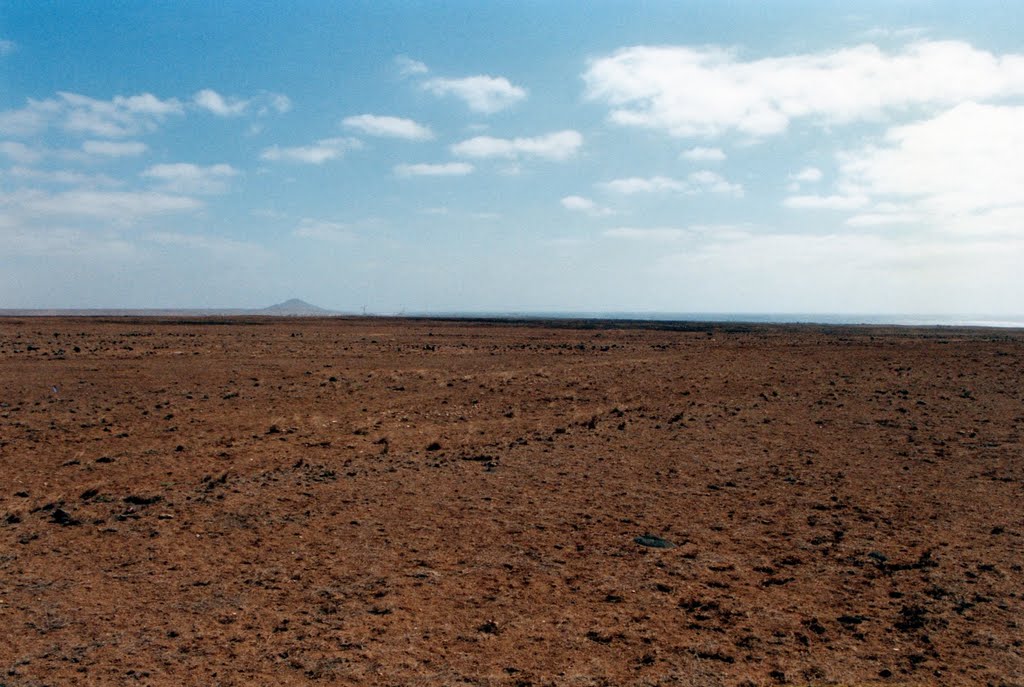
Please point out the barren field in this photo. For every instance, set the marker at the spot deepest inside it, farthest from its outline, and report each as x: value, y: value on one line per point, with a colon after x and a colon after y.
x: 389, y: 502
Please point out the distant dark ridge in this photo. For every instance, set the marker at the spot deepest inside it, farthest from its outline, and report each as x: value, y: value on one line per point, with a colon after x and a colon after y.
x: 293, y: 307
x: 290, y: 308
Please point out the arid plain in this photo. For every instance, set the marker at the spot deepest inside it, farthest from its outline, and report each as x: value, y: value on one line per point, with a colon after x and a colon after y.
x: 411, y: 502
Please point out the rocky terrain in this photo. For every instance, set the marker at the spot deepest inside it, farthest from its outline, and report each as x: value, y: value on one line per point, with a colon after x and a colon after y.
x: 400, y: 502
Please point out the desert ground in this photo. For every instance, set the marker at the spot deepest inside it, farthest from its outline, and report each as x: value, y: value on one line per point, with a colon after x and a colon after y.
x: 288, y: 501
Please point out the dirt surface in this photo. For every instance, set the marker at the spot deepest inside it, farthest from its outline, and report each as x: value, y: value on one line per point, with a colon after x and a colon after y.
x: 388, y: 502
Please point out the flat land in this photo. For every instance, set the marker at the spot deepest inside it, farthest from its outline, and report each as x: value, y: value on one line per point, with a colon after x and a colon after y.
x: 402, y: 502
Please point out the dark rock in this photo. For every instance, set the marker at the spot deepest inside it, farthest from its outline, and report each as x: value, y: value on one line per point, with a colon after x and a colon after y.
x: 63, y: 518
x: 490, y: 628
x: 911, y: 618
x: 141, y: 500
x: 851, y: 620
x: 653, y: 542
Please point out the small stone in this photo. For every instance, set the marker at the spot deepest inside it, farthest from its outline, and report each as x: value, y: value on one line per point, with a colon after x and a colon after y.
x: 654, y: 542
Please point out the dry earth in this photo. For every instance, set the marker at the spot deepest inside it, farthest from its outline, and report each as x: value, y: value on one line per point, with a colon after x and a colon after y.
x: 388, y: 502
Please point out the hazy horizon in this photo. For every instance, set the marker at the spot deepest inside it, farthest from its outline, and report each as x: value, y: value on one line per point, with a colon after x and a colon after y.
x: 663, y: 158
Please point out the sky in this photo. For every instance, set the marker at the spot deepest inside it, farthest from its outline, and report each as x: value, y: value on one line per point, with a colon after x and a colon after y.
x: 529, y: 156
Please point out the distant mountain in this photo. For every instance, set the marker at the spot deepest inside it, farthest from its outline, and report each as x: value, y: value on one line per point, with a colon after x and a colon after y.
x: 290, y: 308
x: 293, y: 306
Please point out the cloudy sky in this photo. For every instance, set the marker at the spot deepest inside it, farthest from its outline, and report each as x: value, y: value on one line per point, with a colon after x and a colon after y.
x: 746, y: 157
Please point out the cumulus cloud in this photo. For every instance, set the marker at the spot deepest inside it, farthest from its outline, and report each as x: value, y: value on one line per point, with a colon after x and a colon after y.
x: 808, y: 175
x: 833, y: 202
x: 703, y: 181
x: 218, y: 246
x: 702, y: 154
x: 483, y: 94
x: 961, y: 170
x: 212, y: 101
x: 706, y: 181
x: 58, y: 176
x: 967, y: 159
x: 322, y: 230
x: 28, y: 120
x: 876, y: 219
x: 90, y: 204
x: 858, y: 272
x: 116, y: 118
x: 119, y: 117
x: 648, y: 234
x: 277, y: 102
x: 19, y: 152
x: 184, y: 177
x: 446, y: 169
x: 585, y: 205
x: 114, y: 148
x: 709, y: 91
x: 7, y: 47
x: 631, y: 185
x: 410, y: 67
x: 232, y: 106
x: 560, y: 145
x: 392, y: 127
x: 316, y: 154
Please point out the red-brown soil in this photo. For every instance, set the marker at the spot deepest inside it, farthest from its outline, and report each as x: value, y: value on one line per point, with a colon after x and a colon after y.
x: 387, y: 502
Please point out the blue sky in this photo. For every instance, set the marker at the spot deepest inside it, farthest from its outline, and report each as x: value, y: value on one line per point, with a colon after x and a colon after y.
x: 529, y: 156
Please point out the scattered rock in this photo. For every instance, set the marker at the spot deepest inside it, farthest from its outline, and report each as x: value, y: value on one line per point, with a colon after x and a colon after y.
x: 63, y: 518
x: 653, y: 542
x: 135, y: 500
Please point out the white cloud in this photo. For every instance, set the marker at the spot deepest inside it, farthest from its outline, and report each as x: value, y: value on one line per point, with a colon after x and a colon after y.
x: 212, y: 101
x: 967, y: 159
x: 709, y: 91
x: 321, y: 230
x: 703, y: 181
x: 849, y: 271
x: 833, y: 202
x: 484, y: 94
x: 88, y: 204
x: 78, y: 114
x: 116, y: 118
x: 410, y: 67
x: 653, y: 234
x: 712, y: 182
x: 315, y: 154
x: 29, y: 120
x: 702, y: 154
x: 809, y: 175
x: 656, y: 184
x: 875, y: 219
x: 893, y: 33
x: 586, y: 205
x: 218, y: 246
x: 278, y: 102
x: 60, y: 176
x: 57, y: 241
x: 114, y: 148
x: 262, y: 104
x: 19, y: 152
x: 393, y: 127
x: 184, y: 177
x: 7, y: 47
x: 447, y: 169
x: 959, y: 171
x: 560, y: 145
